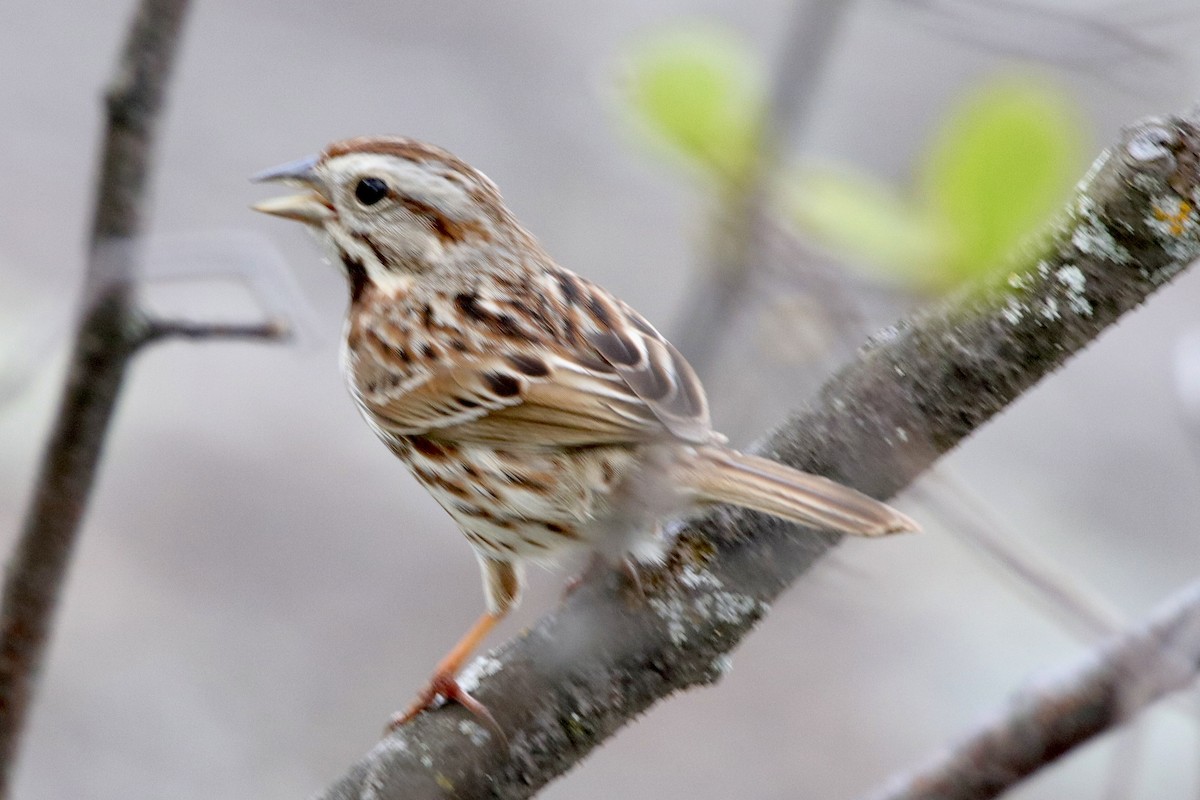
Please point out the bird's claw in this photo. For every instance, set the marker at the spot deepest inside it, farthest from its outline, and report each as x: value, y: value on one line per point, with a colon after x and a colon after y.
x: 598, y: 564
x: 444, y: 689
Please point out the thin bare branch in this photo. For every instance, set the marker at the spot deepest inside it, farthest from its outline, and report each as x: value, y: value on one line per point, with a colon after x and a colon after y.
x: 156, y: 330
x: 1051, y: 717
x: 914, y: 393
x: 105, y: 341
x: 1106, y: 43
x: 740, y: 223
x: 971, y: 520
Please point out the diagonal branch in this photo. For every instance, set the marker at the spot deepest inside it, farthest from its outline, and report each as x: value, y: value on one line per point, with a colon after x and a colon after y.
x: 1053, y: 716
x: 104, y: 343
x: 914, y: 393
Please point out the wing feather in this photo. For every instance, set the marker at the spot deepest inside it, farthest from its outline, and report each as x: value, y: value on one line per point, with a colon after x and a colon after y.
x: 618, y: 382
x: 651, y: 367
x: 563, y: 408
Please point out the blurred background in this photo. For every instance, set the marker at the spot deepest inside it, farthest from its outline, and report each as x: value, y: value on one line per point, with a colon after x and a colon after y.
x: 261, y: 584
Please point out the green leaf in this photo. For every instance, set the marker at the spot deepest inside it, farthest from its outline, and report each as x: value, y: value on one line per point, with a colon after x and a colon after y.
x: 700, y: 92
x: 860, y: 216
x: 1002, y: 163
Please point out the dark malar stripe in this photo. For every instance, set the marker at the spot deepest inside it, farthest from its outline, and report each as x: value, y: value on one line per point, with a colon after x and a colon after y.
x: 356, y: 275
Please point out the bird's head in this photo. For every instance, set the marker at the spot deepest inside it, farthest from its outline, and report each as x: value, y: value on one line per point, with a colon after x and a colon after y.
x: 393, y: 208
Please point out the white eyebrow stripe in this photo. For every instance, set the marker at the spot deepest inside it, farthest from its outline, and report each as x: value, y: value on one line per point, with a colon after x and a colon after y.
x: 422, y: 181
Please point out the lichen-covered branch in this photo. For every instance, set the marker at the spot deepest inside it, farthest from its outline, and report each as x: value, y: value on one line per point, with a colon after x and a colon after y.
x: 1054, y: 715
x: 106, y: 339
x: 913, y: 393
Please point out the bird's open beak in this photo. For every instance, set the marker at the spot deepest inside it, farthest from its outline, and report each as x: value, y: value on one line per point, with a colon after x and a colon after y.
x: 311, y: 207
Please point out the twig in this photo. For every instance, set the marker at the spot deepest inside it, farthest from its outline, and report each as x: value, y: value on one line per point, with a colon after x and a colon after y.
x: 971, y: 520
x: 156, y: 330
x: 1087, y: 612
x: 741, y: 221
x: 1100, y: 45
x: 106, y: 339
x: 598, y: 661
x: 1049, y: 718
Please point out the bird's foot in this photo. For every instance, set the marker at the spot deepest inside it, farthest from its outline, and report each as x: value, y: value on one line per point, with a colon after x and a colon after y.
x: 596, y: 563
x: 633, y: 575
x: 630, y: 569
x: 444, y: 688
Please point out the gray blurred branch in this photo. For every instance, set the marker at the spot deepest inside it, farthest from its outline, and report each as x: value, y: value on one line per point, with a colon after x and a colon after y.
x: 741, y: 222
x: 110, y: 332
x: 913, y: 393
x: 1050, y: 717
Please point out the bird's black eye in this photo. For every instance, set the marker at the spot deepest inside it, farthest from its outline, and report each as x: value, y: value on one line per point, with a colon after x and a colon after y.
x: 370, y: 191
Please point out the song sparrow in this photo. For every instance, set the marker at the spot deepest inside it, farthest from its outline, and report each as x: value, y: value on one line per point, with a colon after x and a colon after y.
x: 540, y: 411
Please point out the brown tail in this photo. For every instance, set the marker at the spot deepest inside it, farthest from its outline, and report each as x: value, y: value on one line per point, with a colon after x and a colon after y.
x: 727, y: 476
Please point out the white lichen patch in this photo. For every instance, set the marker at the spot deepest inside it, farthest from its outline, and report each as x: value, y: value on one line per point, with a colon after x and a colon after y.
x: 378, y: 760
x: 1171, y: 216
x: 671, y: 611
x: 695, y: 578
x: 1145, y: 148
x: 388, y: 746
x: 1093, y: 238
x: 1147, y: 184
x: 685, y: 613
x: 1049, y: 309
x: 1085, y: 206
x: 723, y: 664
x: 476, y: 733
x: 1072, y: 277
x: 1013, y: 311
x: 1086, y: 181
x: 883, y: 336
x: 483, y: 667
x: 731, y: 607
x: 1074, y: 282
x: 1174, y: 220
